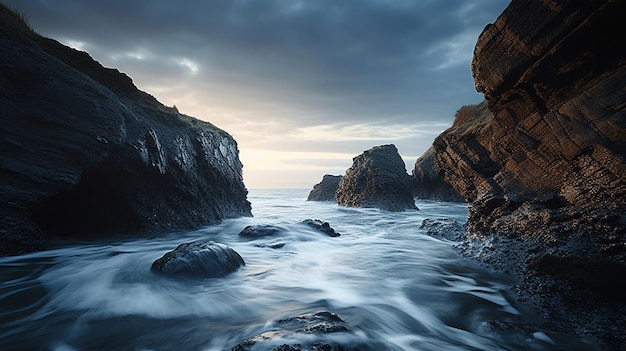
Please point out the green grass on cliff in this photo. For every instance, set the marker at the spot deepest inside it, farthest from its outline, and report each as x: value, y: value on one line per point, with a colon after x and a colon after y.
x: 471, y: 117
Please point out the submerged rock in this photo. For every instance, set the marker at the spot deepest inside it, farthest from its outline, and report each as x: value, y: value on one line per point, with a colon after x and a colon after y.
x: 321, y: 226
x: 259, y: 231
x: 198, y: 259
x: 308, y: 332
x: 326, y: 189
x: 84, y: 152
x: 377, y: 178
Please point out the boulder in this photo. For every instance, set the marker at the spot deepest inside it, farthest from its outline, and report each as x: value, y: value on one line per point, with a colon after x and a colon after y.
x: 308, y: 332
x: 198, y: 259
x: 326, y: 189
x: 84, y: 152
x: 321, y: 226
x: 377, y: 178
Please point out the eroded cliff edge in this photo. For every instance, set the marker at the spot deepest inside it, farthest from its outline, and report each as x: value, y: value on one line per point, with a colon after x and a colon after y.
x: 555, y: 130
x: 84, y: 152
x: 542, y: 161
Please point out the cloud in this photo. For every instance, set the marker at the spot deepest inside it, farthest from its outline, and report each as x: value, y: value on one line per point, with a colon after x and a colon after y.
x: 346, y: 54
x: 367, y: 132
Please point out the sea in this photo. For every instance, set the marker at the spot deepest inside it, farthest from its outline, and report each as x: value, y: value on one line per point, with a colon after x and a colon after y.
x: 390, y: 281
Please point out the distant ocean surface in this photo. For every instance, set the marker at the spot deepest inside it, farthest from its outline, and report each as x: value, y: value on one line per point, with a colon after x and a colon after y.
x: 387, y: 279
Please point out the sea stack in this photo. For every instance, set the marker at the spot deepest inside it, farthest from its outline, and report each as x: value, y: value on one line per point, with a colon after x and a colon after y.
x: 377, y: 178
x: 326, y: 189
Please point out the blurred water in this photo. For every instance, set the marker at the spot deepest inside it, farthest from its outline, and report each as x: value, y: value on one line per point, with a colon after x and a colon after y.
x: 388, y: 280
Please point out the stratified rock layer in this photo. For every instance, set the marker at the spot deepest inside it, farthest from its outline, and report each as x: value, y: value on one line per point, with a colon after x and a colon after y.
x: 542, y: 161
x: 554, y: 77
x: 326, y: 189
x: 377, y: 178
x: 84, y: 152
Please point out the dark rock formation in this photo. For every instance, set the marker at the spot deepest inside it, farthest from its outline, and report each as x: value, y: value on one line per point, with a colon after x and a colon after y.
x: 259, y: 231
x: 326, y: 189
x: 429, y: 184
x: 542, y: 161
x: 83, y: 151
x: 308, y: 332
x: 377, y: 178
x: 321, y: 226
x: 553, y: 78
x: 444, y: 228
x: 198, y: 259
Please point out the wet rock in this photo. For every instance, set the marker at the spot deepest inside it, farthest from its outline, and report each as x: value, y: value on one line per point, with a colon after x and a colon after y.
x: 326, y: 189
x: 599, y: 275
x: 274, y: 245
x: 259, y: 231
x: 198, y: 259
x: 377, y: 178
x: 308, y: 332
x: 86, y: 153
x: 444, y: 228
x: 321, y: 226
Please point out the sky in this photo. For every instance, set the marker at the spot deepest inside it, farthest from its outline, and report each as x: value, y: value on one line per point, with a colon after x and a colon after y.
x: 302, y: 86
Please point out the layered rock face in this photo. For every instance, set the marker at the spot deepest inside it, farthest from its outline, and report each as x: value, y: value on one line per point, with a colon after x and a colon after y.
x: 84, y: 152
x: 548, y: 154
x: 429, y: 184
x: 325, y: 190
x: 377, y: 178
x: 542, y: 161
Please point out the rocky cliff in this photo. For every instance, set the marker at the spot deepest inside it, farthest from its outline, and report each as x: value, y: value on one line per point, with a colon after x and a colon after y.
x: 553, y: 75
x: 377, y: 178
x: 429, y: 184
x: 542, y: 161
x: 84, y: 152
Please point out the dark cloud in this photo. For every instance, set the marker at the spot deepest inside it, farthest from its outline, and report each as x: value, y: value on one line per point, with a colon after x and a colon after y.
x: 285, y: 64
x: 382, y: 51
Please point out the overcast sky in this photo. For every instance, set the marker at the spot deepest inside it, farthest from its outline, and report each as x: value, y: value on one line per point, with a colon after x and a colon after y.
x: 303, y: 86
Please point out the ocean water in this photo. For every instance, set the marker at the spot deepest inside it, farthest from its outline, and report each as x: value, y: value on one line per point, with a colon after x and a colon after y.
x: 389, y: 281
